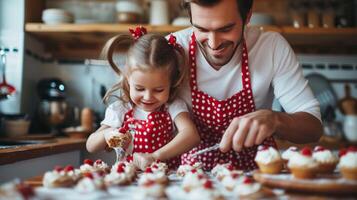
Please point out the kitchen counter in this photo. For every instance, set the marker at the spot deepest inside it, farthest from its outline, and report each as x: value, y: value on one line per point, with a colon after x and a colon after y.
x: 57, y: 145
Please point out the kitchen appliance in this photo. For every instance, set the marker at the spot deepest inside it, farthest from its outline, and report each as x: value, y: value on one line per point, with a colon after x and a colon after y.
x: 6, y: 89
x: 53, y: 110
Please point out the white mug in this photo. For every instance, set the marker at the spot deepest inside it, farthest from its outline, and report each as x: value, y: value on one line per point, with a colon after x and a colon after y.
x: 350, y: 128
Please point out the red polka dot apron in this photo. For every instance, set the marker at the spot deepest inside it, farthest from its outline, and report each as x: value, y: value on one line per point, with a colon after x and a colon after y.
x: 212, y: 117
x: 153, y: 133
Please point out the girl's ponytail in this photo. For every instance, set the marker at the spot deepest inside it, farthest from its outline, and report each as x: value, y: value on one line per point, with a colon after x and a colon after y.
x: 120, y: 44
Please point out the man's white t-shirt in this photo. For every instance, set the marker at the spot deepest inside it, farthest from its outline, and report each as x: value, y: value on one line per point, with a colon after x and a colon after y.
x: 114, y: 114
x: 274, y: 71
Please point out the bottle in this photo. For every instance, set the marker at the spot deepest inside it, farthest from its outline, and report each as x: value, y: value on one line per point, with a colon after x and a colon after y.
x: 298, y: 14
x: 328, y: 15
x: 87, y: 119
x: 313, y: 19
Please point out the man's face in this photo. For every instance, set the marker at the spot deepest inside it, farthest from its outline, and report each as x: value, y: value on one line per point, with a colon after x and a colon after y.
x: 218, y: 30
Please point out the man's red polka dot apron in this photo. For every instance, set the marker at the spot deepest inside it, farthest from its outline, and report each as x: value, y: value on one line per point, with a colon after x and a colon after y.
x: 212, y: 117
x: 153, y: 133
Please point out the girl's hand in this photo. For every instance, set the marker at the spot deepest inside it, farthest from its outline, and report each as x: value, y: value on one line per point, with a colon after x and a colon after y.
x: 143, y: 160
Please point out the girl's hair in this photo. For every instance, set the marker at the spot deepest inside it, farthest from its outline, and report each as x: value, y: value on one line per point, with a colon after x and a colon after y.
x: 150, y: 51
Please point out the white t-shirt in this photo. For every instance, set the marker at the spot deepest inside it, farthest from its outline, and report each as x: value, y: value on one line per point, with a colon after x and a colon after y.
x: 114, y: 114
x: 274, y: 71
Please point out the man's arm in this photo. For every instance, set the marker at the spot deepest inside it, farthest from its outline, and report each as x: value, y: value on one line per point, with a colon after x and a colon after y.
x: 253, y: 128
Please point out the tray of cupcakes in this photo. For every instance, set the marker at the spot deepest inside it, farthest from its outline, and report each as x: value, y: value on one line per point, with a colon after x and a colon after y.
x: 316, y: 170
x: 97, y: 180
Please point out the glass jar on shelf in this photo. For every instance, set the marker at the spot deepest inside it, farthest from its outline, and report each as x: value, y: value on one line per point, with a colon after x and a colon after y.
x: 313, y: 14
x: 298, y: 13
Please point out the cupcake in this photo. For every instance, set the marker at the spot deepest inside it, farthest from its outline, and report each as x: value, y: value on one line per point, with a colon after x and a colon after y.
x: 61, y: 177
x: 326, y: 160
x: 183, y: 169
x: 159, y: 166
x: 89, y: 166
x: 193, y: 180
x: 120, y: 175
x: 302, y: 165
x: 150, y: 190
x: 100, y: 165
x: 158, y: 177
x: 230, y: 181
x: 129, y: 169
x: 348, y: 163
x: 17, y: 190
x: 268, y: 160
x: 222, y: 170
x: 207, y: 192
x: 91, y: 182
x: 246, y: 187
x: 287, y: 154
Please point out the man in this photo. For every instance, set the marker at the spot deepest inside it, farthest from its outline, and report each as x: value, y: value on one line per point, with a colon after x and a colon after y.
x: 235, y: 71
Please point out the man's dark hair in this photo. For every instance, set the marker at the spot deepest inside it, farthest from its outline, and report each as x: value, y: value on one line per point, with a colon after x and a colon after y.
x: 244, y: 6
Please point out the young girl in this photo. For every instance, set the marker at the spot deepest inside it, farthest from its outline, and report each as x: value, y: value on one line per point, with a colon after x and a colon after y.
x: 148, y: 86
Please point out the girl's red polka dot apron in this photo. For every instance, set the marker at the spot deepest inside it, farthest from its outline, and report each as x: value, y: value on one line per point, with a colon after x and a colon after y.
x: 153, y: 133
x: 212, y: 117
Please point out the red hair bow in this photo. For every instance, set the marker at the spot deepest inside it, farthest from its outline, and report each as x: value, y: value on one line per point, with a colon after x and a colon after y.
x: 138, y: 32
x: 172, y: 41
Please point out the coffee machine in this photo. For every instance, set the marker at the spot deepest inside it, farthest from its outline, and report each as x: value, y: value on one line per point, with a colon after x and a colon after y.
x: 53, y: 110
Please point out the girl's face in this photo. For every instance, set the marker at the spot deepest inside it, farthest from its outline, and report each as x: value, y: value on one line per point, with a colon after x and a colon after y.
x: 149, y: 89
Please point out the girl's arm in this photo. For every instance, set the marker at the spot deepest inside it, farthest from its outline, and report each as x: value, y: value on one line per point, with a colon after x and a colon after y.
x: 186, y: 138
x: 96, y: 141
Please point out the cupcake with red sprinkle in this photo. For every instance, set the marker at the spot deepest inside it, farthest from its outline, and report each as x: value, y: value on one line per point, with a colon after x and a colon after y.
x: 268, y: 160
x: 303, y: 165
x: 326, y: 159
x: 348, y: 163
x: 61, y: 177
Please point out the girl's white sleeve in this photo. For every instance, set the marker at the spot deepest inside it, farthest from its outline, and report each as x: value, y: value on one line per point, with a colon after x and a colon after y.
x: 114, y: 114
x: 290, y: 86
x: 176, y: 107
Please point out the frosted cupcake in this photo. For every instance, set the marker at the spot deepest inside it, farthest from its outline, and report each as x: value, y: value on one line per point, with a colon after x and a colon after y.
x: 193, y: 180
x: 159, y: 166
x: 129, y: 169
x: 119, y: 175
x: 222, y: 170
x: 158, y: 177
x: 246, y: 187
x: 325, y: 158
x: 230, y: 181
x: 302, y: 165
x: 348, y: 163
x: 207, y: 192
x: 287, y: 154
x: 183, y: 169
x: 61, y: 177
x: 100, y: 165
x: 90, y: 182
x: 89, y: 166
x: 150, y: 190
x: 17, y: 190
x: 268, y: 160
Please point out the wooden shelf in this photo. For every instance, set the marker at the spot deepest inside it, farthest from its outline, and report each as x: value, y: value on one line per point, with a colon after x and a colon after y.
x: 80, y: 41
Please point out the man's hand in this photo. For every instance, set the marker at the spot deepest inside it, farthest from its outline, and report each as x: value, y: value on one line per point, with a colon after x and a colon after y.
x: 143, y: 160
x: 249, y: 130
